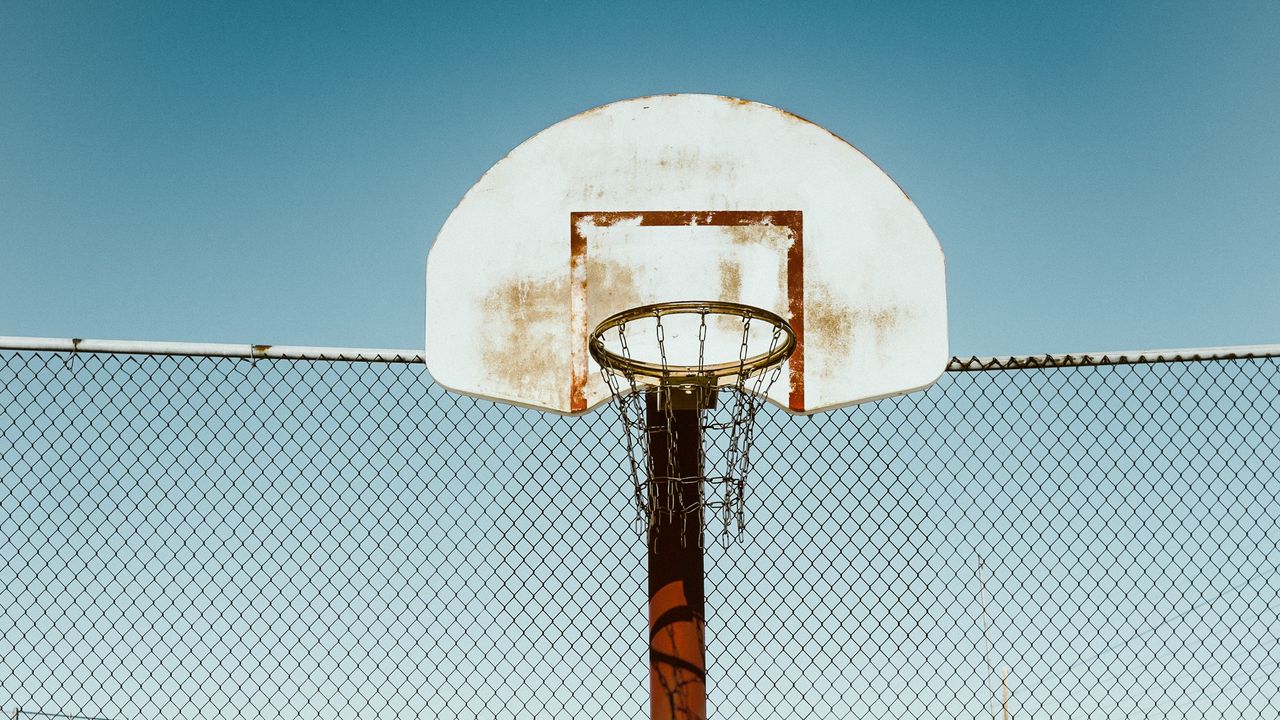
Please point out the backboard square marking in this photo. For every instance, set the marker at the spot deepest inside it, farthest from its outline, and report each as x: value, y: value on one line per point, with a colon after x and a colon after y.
x: 791, y: 220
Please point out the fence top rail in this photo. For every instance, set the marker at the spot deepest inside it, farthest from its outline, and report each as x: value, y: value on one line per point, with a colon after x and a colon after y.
x: 1111, y: 357
x: 231, y: 350
x: 389, y: 355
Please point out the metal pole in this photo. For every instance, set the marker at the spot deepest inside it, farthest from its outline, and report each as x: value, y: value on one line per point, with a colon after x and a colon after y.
x: 677, y: 618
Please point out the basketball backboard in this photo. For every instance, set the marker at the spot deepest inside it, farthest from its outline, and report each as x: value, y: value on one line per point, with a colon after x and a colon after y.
x: 684, y: 197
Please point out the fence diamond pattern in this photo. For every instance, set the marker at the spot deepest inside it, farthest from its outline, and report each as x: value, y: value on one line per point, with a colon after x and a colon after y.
x: 188, y: 537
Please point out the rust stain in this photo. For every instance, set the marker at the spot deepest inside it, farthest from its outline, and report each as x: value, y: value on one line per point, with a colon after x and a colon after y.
x: 885, y: 319
x: 613, y: 289
x: 592, y: 111
x: 730, y: 280
x: 686, y: 157
x: 789, y: 218
x: 600, y: 219
x: 748, y: 234
x: 736, y: 100
x: 802, y: 120
x: 740, y: 102
x: 520, y: 349
x: 881, y: 321
x: 794, y: 220
x: 577, y: 315
x: 830, y: 324
x: 841, y: 332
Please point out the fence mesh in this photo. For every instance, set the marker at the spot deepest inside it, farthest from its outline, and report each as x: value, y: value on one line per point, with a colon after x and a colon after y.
x: 209, y: 537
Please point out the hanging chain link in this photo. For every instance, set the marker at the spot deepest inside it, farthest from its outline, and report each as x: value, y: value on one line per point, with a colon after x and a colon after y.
x: 726, y: 428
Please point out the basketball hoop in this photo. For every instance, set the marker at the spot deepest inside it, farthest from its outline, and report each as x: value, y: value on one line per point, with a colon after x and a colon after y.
x: 704, y: 368
x: 528, y: 263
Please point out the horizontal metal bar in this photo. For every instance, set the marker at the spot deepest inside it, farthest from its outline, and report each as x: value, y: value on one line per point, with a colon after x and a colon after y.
x: 1112, y: 357
x: 20, y: 711
x: 258, y: 352
x: 385, y: 355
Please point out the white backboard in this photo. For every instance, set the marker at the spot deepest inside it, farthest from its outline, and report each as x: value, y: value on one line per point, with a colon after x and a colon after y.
x: 684, y: 197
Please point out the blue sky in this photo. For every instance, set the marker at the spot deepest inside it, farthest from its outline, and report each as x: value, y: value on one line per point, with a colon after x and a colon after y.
x: 1100, y: 176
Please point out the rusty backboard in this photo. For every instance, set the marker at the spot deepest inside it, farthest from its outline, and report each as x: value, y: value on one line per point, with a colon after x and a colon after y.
x: 684, y: 197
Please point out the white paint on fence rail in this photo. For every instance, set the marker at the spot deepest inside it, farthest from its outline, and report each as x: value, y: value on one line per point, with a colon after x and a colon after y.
x: 390, y: 355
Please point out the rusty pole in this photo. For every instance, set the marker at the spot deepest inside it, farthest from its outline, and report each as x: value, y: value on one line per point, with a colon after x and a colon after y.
x: 677, y: 601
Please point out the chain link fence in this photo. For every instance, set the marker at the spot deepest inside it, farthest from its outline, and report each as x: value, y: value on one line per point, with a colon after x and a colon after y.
x: 201, y: 537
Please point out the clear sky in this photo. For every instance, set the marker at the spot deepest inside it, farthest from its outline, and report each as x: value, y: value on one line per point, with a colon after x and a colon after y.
x: 1100, y: 176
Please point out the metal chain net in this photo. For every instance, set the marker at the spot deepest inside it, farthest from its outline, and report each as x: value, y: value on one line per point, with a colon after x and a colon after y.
x: 726, y: 432
x: 199, y: 537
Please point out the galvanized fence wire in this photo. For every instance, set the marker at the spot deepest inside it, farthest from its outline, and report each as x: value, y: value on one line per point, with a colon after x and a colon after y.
x: 199, y: 537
